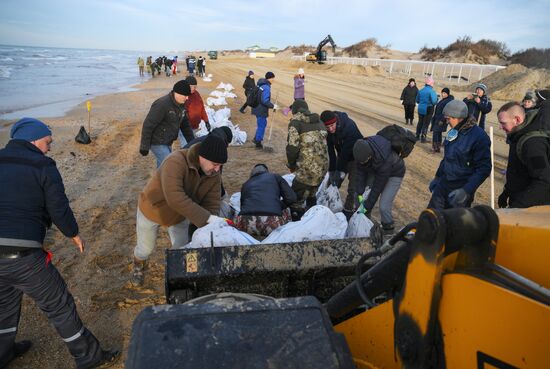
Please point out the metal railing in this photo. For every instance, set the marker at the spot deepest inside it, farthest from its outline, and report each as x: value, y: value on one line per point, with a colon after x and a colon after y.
x: 458, y: 72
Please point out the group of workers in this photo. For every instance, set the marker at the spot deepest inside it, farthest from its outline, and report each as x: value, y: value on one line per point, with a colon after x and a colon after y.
x: 185, y: 191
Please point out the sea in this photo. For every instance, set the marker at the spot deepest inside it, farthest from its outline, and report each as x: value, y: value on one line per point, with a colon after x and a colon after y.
x: 47, y: 82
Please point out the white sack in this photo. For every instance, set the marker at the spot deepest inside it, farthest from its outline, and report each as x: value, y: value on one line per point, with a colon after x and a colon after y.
x: 359, y: 226
x: 225, y: 86
x: 289, y: 178
x: 223, y: 235
x: 318, y: 223
x: 329, y: 196
x: 235, y: 202
x: 216, y: 101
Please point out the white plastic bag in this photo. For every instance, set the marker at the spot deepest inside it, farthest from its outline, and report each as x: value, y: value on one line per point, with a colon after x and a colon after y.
x: 318, y: 223
x: 222, y: 235
x: 359, y: 226
x: 216, y: 101
x: 235, y: 202
x: 329, y: 196
x: 289, y: 178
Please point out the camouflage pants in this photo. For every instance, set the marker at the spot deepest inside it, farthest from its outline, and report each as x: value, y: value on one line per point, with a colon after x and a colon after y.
x: 261, y: 225
x: 305, y: 193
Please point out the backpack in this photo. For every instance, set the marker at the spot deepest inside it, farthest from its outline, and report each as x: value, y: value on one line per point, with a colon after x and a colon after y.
x: 402, y: 140
x: 254, y: 97
x: 543, y: 132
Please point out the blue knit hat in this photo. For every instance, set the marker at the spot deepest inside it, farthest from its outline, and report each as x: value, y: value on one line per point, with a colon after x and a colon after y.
x: 29, y: 129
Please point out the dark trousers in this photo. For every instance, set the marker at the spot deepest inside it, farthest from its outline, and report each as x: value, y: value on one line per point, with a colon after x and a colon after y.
x: 306, y: 198
x: 36, y: 277
x: 409, y: 112
x: 424, y: 122
x: 356, y: 187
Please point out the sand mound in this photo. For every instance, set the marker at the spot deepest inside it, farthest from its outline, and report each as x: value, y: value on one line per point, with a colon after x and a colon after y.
x: 357, y: 69
x: 512, y: 82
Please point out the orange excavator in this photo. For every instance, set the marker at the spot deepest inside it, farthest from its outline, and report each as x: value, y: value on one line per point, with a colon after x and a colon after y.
x: 320, y: 55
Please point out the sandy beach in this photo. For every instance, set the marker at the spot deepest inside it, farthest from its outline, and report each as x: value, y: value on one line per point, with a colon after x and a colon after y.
x: 103, y: 180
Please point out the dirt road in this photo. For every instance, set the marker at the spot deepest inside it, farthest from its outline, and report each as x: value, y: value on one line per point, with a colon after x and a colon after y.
x: 104, y: 179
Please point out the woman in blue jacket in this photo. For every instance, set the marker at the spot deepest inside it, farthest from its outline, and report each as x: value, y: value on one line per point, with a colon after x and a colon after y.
x: 426, y: 100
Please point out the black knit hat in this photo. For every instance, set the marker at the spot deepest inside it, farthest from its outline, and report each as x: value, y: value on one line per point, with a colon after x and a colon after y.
x: 362, y: 151
x: 328, y: 117
x: 412, y: 80
x: 191, y: 80
x: 299, y: 105
x: 269, y: 75
x: 224, y: 133
x: 182, y: 88
x: 214, y: 148
x: 446, y: 90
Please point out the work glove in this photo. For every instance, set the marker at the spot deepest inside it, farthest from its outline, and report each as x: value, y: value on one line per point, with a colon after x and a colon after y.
x: 433, y: 184
x: 401, y: 101
x: 337, y: 178
x: 275, y: 107
x: 144, y: 152
x: 208, y: 127
x: 503, y: 200
x: 458, y: 198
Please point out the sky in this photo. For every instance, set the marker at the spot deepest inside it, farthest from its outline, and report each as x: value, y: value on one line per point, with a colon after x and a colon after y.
x: 237, y: 24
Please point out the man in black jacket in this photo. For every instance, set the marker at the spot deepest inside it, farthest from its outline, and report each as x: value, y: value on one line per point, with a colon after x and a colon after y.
x: 342, y: 135
x: 32, y: 197
x: 408, y: 99
x: 248, y: 85
x: 383, y: 169
x: 161, y: 126
x: 262, y: 209
x: 528, y: 171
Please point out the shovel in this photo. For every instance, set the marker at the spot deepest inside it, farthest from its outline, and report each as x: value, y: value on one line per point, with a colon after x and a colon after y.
x: 268, y: 147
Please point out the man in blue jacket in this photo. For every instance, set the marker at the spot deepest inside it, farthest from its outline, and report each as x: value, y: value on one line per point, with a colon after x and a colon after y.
x: 342, y: 135
x: 466, y: 162
x: 262, y: 110
x: 439, y: 123
x: 32, y: 197
x: 479, y: 104
x: 383, y: 169
x: 426, y: 100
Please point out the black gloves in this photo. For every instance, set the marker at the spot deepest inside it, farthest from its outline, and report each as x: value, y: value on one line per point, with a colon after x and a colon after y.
x: 458, y: 198
x: 336, y: 178
x: 144, y: 152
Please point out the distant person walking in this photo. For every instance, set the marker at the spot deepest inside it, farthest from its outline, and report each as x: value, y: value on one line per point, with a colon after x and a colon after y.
x: 439, y: 123
x: 426, y: 99
x: 262, y: 110
x: 162, y: 123
x: 479, y: 104
x: 32, y: 197
x: 299, y: 85
x: 200, y: 66
x: 141, y: 66
x: 408, y: 100
x: 148, y: 63
x: 466, y: 163
x: 248, y: 85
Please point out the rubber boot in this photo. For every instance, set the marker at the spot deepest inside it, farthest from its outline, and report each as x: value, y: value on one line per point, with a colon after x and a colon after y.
x: 138, y: 272
x: 18, y: 350
x: 423, y: 139
x: 388, y: 228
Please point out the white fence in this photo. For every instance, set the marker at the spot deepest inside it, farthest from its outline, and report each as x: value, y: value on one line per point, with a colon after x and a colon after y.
x: 458, y: 72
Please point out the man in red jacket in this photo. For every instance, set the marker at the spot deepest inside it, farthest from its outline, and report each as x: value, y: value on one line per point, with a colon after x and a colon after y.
x: 194, y: 106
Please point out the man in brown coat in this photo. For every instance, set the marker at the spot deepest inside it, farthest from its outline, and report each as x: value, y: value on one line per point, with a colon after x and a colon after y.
x: 185, y: 189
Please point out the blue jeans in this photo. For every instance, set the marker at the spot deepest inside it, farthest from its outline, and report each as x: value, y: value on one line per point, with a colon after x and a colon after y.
x: 261, y: 123
x: 160, y: 152
x: 182, y: 139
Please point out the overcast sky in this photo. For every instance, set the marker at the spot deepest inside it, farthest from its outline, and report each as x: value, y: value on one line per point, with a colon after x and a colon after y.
x: 236, y: 24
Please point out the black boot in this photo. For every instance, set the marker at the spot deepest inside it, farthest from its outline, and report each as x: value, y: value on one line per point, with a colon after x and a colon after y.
x: 423, y: 139
x: 108, y: 358
x: 19, y: 349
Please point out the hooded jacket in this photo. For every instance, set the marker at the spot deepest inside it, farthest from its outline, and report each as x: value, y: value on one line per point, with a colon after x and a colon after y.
x: 262, y: 110
x: 426, y: 99
x: 340, y: 143
x: 32, y: 196
x: 409, y: 95
x: 179, y: 190
x: 163, y: 122
x: 248, y: 84
x: 306, y: 149
x: 438, y: 121
x: 467, y: 159
x: 385, y: 163
x: 528, y: 177
x: 261, y: 194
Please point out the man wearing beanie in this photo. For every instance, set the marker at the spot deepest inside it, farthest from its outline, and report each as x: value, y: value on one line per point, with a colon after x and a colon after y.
x: 479, y: 104
x: 439, y: 123
x: 163, y: 122
x: 426, y: 100
x: 307, y: 156
x: 194, y: 107
x: 342, y: 135
x: 466, y: 162
x: 185, y: 189
x: 378, y: 164
x: 248, y: 86
x: 32, y: 198
x: 262, y: 110
x: 408, y: 100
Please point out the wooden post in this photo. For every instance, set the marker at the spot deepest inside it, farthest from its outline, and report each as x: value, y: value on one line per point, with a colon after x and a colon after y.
x: 492, y: 168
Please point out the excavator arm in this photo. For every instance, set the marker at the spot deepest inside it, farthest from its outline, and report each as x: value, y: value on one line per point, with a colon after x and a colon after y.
x: 320, y: 56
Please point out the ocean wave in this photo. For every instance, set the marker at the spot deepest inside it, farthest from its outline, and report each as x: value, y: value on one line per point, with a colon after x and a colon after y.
x: 5, y: 72
x: 102, y: 57
x: 8, y: 59
x: 43, y: 57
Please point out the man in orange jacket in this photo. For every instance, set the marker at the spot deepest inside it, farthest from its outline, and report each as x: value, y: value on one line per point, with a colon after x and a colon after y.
x: 194, y: 106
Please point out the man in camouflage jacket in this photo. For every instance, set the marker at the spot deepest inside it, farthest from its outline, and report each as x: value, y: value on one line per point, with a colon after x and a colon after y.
x: 307, y: 155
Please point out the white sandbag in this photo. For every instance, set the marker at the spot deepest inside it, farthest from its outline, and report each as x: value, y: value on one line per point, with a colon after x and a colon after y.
x: 359, y: 226
x: 225, y: 86
x: 222, y: 234
x: 329, y: 196
x: 289, y: 178
x: 318, y: 223
x: 235, y: 202
x: 209, y: 75
x: 226, y: 211
x: 239, y: 137
x: 207, y: 79
x: 217, y: 93
x: 203, y: 131
x: 217, y: 101
x: 222, y: 114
